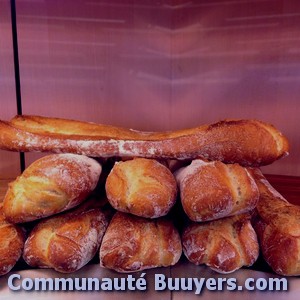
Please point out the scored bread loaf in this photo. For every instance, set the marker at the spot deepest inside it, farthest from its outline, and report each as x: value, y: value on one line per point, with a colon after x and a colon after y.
x: 142, y: 187
x: 134, y: 243
x: 277, y: 224
x: 12, y: 240
x: 224, y: 245
x: 51, y: 184
x: 213, y: 190
x: 247, y: 142
x: 68, y: 241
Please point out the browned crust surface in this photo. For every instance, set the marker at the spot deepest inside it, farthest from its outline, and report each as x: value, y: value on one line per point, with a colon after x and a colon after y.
x: 277, y: 223
x: 133, y: 243
x: 248, y: 142
x: 224, y: 245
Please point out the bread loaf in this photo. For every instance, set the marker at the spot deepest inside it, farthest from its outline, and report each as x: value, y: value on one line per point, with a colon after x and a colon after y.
x: 247, y: 142
x: 12, y: 240
x: 133, y: 243
x: 224, y: 245
x: 51, y: 184
x: 68, y: 241
x: 142, y: 187
x: 277, y: 224
x: 213, y: 190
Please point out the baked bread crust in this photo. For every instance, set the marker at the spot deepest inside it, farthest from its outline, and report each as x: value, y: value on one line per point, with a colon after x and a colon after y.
x: 12, y: 239
x: 142, y: 187
x: 68, y: 241
x: 51, y: 184
x: 224, y: 245
x: 213, y: 190
x: 277, y: 224
x: 247, y: 142
x: 133, y: 244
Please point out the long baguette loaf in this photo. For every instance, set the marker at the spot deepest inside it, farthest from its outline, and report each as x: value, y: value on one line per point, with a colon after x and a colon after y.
x: 247, y: 142
x: 277, y: 224
x: 12, y: 240
x: 68, y: 241
x: 51, y: 184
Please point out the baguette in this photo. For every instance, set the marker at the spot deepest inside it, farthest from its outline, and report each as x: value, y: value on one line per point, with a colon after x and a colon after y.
x: 277, y: 224
x: 224, y: 245
x: 51, y: 184
x: 213, y: 190
x: 12, y: 239
x: 132, y: 244
x: 247, y: 142
x: 142, y: 187
x: 68, y: 241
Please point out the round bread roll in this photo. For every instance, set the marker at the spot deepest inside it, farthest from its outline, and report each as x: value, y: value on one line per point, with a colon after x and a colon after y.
x: 142, y: 187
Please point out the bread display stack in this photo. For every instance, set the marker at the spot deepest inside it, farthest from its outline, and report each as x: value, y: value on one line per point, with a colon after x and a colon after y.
x: 210, y: 174
x: 217, y: 197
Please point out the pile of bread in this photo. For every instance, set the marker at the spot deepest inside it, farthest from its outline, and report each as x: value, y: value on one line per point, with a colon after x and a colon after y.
x: 140, y: 199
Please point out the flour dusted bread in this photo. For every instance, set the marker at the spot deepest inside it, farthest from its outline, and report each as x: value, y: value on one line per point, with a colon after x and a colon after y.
x: 213, y: 190
x: 133, y: 243
x: 277, y: 223
x: 143, y: 187
x: 68, y: 241
x: 224, y: 245
x: 51, y: 184
x: 247, y: 142
x: 12, y: 240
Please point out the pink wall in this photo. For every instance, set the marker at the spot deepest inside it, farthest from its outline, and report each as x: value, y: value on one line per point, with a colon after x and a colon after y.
x: 9, y: 162
x: 162, y: 65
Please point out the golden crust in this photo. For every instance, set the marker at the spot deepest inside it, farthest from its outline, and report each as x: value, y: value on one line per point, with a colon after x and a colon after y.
x: 213, y: 190
x: 133, y: 243
x: 51, y: 184
x: 224, y: 245
x: 12, y: 240
x: 142, y: 187
x: 68, y: 241
x: 277, y: 223
x: 247, y: 142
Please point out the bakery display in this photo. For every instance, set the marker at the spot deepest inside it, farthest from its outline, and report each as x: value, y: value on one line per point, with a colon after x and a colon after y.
x: 247, y: 142
x: 143, y: 187
x: 214, y: 190
x: 277, y: 223
x: 206, y: 176
x: 51, y: 184
x: 12, y: 239
x: 133, y: 244
x: 224, y: 245
x: 68, y: 241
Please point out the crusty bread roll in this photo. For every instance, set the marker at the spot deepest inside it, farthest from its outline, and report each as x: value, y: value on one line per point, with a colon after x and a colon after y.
x: 68, y: 241
x: 277, y: 224
x: 142, y: 187
x: 213, y: 190
x: 247, y: 142
x: 133, y: 243
x: 224, y: 245
x: 51, y: 184
x: 12, y: 240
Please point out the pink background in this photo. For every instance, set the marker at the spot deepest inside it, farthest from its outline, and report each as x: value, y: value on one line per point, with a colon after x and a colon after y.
x: 155, y: 65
